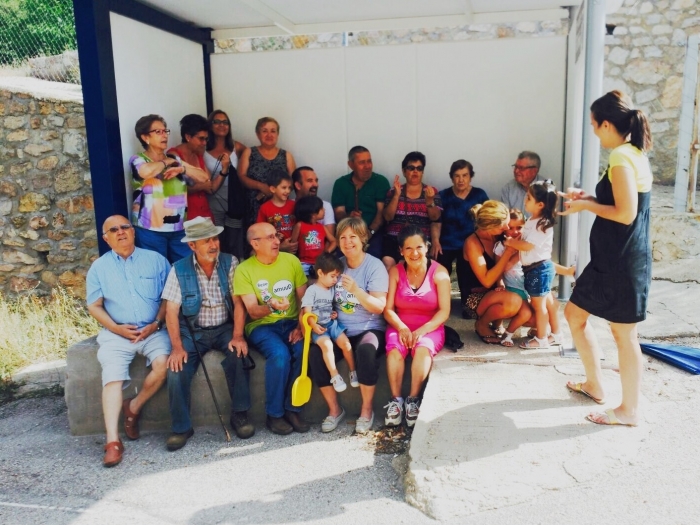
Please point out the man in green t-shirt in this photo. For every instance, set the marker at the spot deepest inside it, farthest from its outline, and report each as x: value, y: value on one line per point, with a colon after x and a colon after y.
x: 361, y: 193
x: 271, y: 285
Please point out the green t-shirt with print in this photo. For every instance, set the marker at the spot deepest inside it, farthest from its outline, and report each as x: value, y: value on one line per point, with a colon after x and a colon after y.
x: 277, y: 280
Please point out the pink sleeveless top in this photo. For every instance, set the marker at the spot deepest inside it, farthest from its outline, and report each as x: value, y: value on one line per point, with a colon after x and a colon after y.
x: 415, y: 308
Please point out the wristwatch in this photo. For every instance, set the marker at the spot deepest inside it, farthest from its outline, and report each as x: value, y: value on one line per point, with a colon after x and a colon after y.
x: 371, y: 232
x: 159, y: 324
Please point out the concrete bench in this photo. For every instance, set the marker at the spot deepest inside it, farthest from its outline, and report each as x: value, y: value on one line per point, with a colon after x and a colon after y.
x: 83, y: 393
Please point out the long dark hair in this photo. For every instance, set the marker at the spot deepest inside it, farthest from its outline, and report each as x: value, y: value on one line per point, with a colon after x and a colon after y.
x: 544, y: 191
x: 616, y: 108
x: 211, y: 139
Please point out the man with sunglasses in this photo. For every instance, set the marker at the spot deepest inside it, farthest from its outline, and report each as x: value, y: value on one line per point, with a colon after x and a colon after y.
x: 525, y: 170
x: 202, y: 310
x: 123, y: 294
x: 271, y: 284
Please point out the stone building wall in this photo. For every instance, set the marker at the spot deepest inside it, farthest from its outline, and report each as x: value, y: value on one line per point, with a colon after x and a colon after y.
x: 645, y: 58
x: 47, y: 224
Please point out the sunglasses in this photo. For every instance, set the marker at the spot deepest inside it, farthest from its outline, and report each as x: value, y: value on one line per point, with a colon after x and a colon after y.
x: 160, y: 131
x: 220, y: 121
x: 115, y: 229
x: 414, y: 168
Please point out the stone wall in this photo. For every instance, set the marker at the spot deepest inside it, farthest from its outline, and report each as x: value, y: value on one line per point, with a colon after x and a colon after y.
x: 47, y: 224
x: 645, y: 58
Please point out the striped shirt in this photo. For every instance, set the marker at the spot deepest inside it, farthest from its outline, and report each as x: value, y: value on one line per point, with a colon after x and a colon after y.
x: 131, y: 287
x: 213, y: 311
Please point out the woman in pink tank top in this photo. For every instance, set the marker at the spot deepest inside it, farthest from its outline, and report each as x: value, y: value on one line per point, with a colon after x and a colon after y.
x: 418, y: 304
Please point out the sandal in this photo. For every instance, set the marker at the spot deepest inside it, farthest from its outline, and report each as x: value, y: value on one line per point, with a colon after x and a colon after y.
x: 131, y: 420
x: 535, y: 344
x: 488, y: 339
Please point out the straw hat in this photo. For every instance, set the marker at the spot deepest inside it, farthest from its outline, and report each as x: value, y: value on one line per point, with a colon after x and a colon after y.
x: 200, y: 228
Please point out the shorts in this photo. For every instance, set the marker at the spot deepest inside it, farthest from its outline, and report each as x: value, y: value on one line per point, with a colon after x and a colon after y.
x: 472, y: 303
x: 390, y: 248
x: 522, y: 293
x: 333, y: 330
x: 433, y: 341
x: 538, y: 280
x: 116, y: 353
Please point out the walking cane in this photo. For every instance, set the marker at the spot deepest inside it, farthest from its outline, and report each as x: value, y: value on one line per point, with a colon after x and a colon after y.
x: 206, y: 374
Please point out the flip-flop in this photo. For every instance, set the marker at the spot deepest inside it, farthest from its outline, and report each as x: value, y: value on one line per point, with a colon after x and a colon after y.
x: 489, y: 339
x: 578, y: 388
x: 612, y: 419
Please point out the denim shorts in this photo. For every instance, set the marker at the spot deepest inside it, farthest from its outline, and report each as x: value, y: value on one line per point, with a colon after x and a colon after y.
x: 538, y: 281
x: 333, y: 330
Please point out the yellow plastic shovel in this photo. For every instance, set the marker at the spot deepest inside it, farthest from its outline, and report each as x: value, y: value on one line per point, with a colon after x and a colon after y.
x: 301, y: 389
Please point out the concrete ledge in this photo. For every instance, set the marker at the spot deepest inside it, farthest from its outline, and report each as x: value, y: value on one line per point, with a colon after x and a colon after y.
x: 83, y: 391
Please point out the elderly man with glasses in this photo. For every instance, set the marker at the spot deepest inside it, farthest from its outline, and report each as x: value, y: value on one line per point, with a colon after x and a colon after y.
x: 271, y: 284
x: 525, y: 170
x: 201, y: 310
x: 123, y: 294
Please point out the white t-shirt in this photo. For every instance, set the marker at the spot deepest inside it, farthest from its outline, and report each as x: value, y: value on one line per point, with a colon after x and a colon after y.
x: 328, y: 216
x: 513, y: 277
x: 543, y: 242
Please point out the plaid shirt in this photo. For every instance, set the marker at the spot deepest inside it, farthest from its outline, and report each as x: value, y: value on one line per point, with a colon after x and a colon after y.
x: 213, y: 311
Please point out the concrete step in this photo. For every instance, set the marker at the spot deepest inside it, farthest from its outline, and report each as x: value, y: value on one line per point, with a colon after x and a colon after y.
x: 83, y: 391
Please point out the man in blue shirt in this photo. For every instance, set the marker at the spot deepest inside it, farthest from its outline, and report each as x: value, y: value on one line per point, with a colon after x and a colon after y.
x: 123, y: 294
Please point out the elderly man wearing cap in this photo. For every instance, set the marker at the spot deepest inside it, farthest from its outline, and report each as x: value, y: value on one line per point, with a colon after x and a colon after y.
x: 200, y: 304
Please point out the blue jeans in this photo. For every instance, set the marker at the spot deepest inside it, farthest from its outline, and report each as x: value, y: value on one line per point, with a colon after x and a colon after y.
x: 282, y: 366
x: 168, y: 244
x: 179, y: 383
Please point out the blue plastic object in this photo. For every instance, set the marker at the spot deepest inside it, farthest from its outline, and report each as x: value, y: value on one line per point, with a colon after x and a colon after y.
x: 684, y: 357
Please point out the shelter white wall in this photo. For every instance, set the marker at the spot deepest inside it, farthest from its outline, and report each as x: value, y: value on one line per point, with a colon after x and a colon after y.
x: 156, y: 72
x: 484, y: 101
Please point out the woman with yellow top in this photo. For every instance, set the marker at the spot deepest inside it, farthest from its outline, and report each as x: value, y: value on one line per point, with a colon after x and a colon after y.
x: 616, y: 282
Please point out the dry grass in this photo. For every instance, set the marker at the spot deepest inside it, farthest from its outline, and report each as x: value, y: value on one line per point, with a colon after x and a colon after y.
x: 34, y: 330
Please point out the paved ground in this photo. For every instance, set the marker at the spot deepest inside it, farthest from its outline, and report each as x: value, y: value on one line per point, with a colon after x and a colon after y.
x: 500, y: 441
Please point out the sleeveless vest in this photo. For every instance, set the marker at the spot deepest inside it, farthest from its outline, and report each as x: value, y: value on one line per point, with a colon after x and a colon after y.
x: 189, y: 287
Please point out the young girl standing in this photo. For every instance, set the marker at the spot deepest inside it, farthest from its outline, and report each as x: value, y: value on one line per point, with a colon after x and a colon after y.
x: 615, y: 283
x: 535, y: 247
x: 310, y: 233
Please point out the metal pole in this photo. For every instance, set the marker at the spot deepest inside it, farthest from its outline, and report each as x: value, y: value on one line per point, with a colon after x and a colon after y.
x: 694, y: 152
x: 593, y: 89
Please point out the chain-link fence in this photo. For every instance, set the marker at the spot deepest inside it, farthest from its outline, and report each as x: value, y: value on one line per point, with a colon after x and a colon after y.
x: 37, y: 38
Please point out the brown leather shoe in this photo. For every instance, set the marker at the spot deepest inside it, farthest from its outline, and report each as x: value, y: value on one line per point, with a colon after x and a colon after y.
x: 131, y: 420
x: 241, y: 425
x: 298, y: 424
x: 176, y: 440
x: 113, y: 453
x: 278, y: 425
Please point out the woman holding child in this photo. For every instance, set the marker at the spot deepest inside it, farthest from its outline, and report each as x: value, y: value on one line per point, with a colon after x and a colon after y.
x: 417, y: 307
x: 359, y: 299
x: 488, y: 301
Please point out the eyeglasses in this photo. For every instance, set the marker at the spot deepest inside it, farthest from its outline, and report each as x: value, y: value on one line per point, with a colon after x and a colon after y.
x: 270, y: 237
x: 159, y: 132
x: 220, y: 121
x: 414, y: 168
x: 115, y: 229
x: 522, y: 168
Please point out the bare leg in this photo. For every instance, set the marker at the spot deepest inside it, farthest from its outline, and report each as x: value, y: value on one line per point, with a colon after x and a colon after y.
x: 344, y: 344
x: 553, y: 312
x: 522, y: 317
x: 154, y: 380
x: 331, y: 397
x: 326, y: 346
x: 367, y: 393
x: 395, y: 365
x: 420, y: 369
x: 496, y: 305
x: 587, y: 346
x: 112, y: 407
x: 631, y: 368
x: 539, y: 304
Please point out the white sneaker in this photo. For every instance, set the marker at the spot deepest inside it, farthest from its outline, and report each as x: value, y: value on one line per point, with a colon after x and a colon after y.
x: 364, y: 425
x: 353, y: 379
x: 412, y: 410
x: 338, y: 383
x: 394, y: 413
